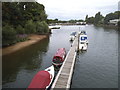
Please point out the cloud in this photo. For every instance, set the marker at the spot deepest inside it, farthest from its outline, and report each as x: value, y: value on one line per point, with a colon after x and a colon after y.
x: 77, y: 9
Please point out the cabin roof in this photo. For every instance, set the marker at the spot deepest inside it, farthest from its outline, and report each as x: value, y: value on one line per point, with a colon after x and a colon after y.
x: 60, y: 52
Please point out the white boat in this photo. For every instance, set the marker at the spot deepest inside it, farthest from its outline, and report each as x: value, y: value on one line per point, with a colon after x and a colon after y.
x: 43, y: 79
x: 83, y: 46
x: 72, y: 36
x: 83, y: 41
x: 51, y: 71
x: 55, y: 27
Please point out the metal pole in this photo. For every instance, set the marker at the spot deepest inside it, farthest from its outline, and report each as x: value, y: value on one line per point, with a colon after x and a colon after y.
x: 78, y: 42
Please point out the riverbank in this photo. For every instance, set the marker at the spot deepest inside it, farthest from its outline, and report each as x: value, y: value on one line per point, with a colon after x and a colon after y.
x: 108, y: 26
x: 32, y: 40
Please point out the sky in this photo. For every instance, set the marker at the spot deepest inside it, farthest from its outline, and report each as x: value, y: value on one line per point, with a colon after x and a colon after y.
x: 77, y: 9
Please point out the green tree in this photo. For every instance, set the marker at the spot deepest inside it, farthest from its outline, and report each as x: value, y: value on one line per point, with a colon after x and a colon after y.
x: 30, y: 27
x: 86, y: 17
x: 90, y: 20
x: 20, y: 30
x: 98, y: 18
x: 42, y: 27
x: 110, y: 16
x: 8, y: 35
x: 21, y: 17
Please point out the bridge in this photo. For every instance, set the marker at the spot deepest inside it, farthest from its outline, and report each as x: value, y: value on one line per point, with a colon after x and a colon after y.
x: 64, y: 76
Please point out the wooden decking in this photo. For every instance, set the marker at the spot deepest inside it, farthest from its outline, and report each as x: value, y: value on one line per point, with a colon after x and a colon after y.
x: 64, y: 76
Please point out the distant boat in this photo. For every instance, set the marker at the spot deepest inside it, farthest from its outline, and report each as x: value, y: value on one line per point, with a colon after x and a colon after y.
x: 54, y: 27
x: 73, y: 35
x: 43, y: 79
x: 83, y: 41
x: 59, y: 57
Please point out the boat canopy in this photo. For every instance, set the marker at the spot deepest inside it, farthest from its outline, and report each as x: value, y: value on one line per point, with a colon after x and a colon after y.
x: 60, y: 52
x: 41, y: 80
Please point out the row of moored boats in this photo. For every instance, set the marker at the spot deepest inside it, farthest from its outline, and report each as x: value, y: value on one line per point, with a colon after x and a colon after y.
x: 83, y: 40
x: 43, y: 79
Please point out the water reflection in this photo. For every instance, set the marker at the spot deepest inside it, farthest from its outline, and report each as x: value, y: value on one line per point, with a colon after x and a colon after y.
x: 93, y: 67
x: 29, y: 58
x: 100, y: 63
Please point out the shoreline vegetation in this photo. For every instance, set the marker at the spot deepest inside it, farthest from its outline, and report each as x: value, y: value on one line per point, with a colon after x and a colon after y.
x: 108, y: 26
x: 25, y: 23
x: 21, y: 19
x: 32, y: 39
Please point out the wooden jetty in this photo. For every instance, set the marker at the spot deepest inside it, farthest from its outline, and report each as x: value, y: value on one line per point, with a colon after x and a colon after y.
x: 64, y: 76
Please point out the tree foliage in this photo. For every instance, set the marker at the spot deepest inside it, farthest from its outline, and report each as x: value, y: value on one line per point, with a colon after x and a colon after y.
x: 41, y: 27
x: 110, y: 16
x: 30, y: 27
x: 20, y: 18
x: 98, y: 18
x: 90, y: 20
x: 8, y: 35
x: 20, y: 30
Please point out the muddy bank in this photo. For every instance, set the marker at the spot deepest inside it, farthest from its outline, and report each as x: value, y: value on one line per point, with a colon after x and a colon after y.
x: 33, y: 39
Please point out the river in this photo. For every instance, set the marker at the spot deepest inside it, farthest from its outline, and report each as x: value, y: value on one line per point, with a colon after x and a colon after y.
x: 95, y: 68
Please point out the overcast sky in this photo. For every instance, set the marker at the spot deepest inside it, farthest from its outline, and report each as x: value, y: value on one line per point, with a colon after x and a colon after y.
x: 77, y: 9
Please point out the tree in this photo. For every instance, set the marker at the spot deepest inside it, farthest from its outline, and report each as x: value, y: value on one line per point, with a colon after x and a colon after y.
x: 20, y: 30
x: 21, y: 18
x: 42, y: 27
x: 8, y: 35
x: 86, y: 17
x: 30, y: 27
x: 90, y: 20
x: 110, y: 16
x: 118, y: 23
x: 98, y: 18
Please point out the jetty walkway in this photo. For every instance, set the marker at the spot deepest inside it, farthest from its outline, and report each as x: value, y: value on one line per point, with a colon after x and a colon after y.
x: 64, y: 76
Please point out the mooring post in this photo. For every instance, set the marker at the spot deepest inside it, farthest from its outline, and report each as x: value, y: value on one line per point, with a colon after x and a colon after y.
x: 78, y: 39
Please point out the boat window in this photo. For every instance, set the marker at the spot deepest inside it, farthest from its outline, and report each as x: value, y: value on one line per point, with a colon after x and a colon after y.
x: 83, y: 38
x: 57, y: 60
x: 82, y: 42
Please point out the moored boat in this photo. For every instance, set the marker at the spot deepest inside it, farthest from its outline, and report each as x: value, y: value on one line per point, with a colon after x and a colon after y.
x: 73, y: 35
x: 59, y: 57
x: 55, y: 27
x: 83, y: 41
x: 83, y: 46
x: 43, y: 79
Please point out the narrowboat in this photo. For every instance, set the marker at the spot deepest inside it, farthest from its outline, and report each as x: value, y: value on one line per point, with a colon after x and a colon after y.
x: 59, y: 57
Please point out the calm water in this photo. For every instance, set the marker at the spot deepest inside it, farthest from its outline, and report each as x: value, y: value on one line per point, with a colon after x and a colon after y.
x: 98, y: 67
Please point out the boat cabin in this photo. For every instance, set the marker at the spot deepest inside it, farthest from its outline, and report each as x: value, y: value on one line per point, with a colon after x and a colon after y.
x: 83, y: 38
x: 59, y: 57
x: 83, y: 32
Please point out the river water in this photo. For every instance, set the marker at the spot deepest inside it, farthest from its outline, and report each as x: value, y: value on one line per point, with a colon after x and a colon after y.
x: 95, y: 68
